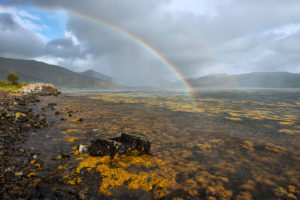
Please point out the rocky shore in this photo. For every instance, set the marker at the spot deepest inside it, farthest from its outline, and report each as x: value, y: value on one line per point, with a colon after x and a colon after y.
x: 18, y: 122
x: 27, y: 174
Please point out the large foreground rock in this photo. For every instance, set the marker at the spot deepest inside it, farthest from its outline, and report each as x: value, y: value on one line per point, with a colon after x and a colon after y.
x: 120, y: 145
x: 103, y: 147
x: 39, y: 89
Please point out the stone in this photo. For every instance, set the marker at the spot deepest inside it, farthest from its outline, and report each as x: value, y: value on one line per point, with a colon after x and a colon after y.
x: 103, y: 147
x: 19, y: 173
x: 39, y: 89
x: 136, y: 142
x: 9, y: 169
x: 120, y: 145
x: 82, y: 149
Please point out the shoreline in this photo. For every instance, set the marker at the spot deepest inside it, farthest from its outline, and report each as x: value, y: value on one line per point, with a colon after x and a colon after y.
x: 23, y: 117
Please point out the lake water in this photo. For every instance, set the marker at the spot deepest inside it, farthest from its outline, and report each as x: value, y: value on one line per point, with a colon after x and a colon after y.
x: 214, y: 144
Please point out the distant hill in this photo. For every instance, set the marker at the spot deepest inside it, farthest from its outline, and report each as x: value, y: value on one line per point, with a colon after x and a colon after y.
x: 249, y: 80
x: 34, y: 71
x: 93, y: 74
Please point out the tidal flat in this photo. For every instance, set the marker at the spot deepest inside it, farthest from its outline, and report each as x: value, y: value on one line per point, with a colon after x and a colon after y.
x: 213, y: 144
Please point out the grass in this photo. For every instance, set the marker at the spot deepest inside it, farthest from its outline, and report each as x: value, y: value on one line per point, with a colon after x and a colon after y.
x: 7, y: 87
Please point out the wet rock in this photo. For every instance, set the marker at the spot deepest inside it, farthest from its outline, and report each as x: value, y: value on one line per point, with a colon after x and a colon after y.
x: 39, y: 89
x: 78, y: 120
x: 22, y: 119
x: 19, y: 173
x: 136, y: 142
x: 64, y: 156
x: 120, y: 145
x: 9, y: 169
x: 103, y: 147
x: 82, y: 149
x: 80, y: 195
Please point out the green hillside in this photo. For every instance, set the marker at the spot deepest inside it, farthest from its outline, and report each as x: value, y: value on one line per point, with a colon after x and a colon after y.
x: 34, y: 71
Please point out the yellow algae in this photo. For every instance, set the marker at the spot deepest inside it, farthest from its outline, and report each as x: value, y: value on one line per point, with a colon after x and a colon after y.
x: 244, y: 196
x: 74, y: 181
x: 37, y: 165
x: 32, y: 162
x: 211, y: 198
x: 234, y: 114
x: 60, y: 167
x: 69, y: 131
x: 59, y: 157
x: 75, y: 150
x: 291, y: 188
x: 275, y: 148
x: 31, y: 174
x: 204, y: 146
x: 77, y: 120
x: 268, y: 182
x: 287, y: 122
x: 72, y: 139
x: 247, y: 187
x: 248, y: 145
x: 289, y: 131
x: 292, y: 196
x: 233, y: 118
x: 114, y: 173
x: 18, y: 114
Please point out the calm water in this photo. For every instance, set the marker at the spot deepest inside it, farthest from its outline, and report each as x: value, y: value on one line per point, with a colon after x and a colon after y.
x: 217, y: 144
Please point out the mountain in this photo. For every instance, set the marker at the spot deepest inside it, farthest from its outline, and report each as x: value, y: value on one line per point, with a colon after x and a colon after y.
x: 93, y: 74
x: 249, y: 80
x: 34, y: 71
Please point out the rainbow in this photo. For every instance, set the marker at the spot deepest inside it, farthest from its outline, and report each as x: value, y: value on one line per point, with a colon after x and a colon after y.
x: 139, y: 42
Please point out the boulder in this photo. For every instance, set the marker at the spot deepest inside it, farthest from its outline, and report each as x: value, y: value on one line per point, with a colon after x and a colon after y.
x: 103, y: 147
x: 39, y: 89
x: 136, y: 142
x: 82, y: 149
x: 120, y: 145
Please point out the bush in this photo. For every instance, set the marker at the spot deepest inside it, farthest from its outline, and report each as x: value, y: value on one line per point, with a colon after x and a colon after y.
x: 13, y: 78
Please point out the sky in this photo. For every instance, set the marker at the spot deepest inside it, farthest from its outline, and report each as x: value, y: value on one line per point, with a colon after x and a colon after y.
x: 145, y: 42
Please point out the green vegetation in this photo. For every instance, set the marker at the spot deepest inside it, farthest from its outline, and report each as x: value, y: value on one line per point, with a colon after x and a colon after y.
x: 12, y: 85
x: 13, y: 78
x: 37, y: 72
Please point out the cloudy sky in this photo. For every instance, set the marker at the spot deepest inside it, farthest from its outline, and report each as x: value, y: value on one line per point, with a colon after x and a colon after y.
x: 195, y: 37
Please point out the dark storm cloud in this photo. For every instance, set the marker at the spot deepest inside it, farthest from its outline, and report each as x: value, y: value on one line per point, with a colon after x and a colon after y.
x: 64, y: 48
x: 7, y: 22
x: 16, y: 41
x: 240, y: 36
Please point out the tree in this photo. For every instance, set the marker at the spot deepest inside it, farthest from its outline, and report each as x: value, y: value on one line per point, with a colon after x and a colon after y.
x: 13, y: 78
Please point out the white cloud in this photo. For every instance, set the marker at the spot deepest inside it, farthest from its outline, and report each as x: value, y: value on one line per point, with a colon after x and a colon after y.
x: 25, y: 14
x: 26, y: 20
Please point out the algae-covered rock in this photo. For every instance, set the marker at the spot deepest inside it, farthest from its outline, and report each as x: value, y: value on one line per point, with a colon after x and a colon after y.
x: 136, y: 142
x: 120, y: 145
x: 39, y: 89
x: 103, y: 147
